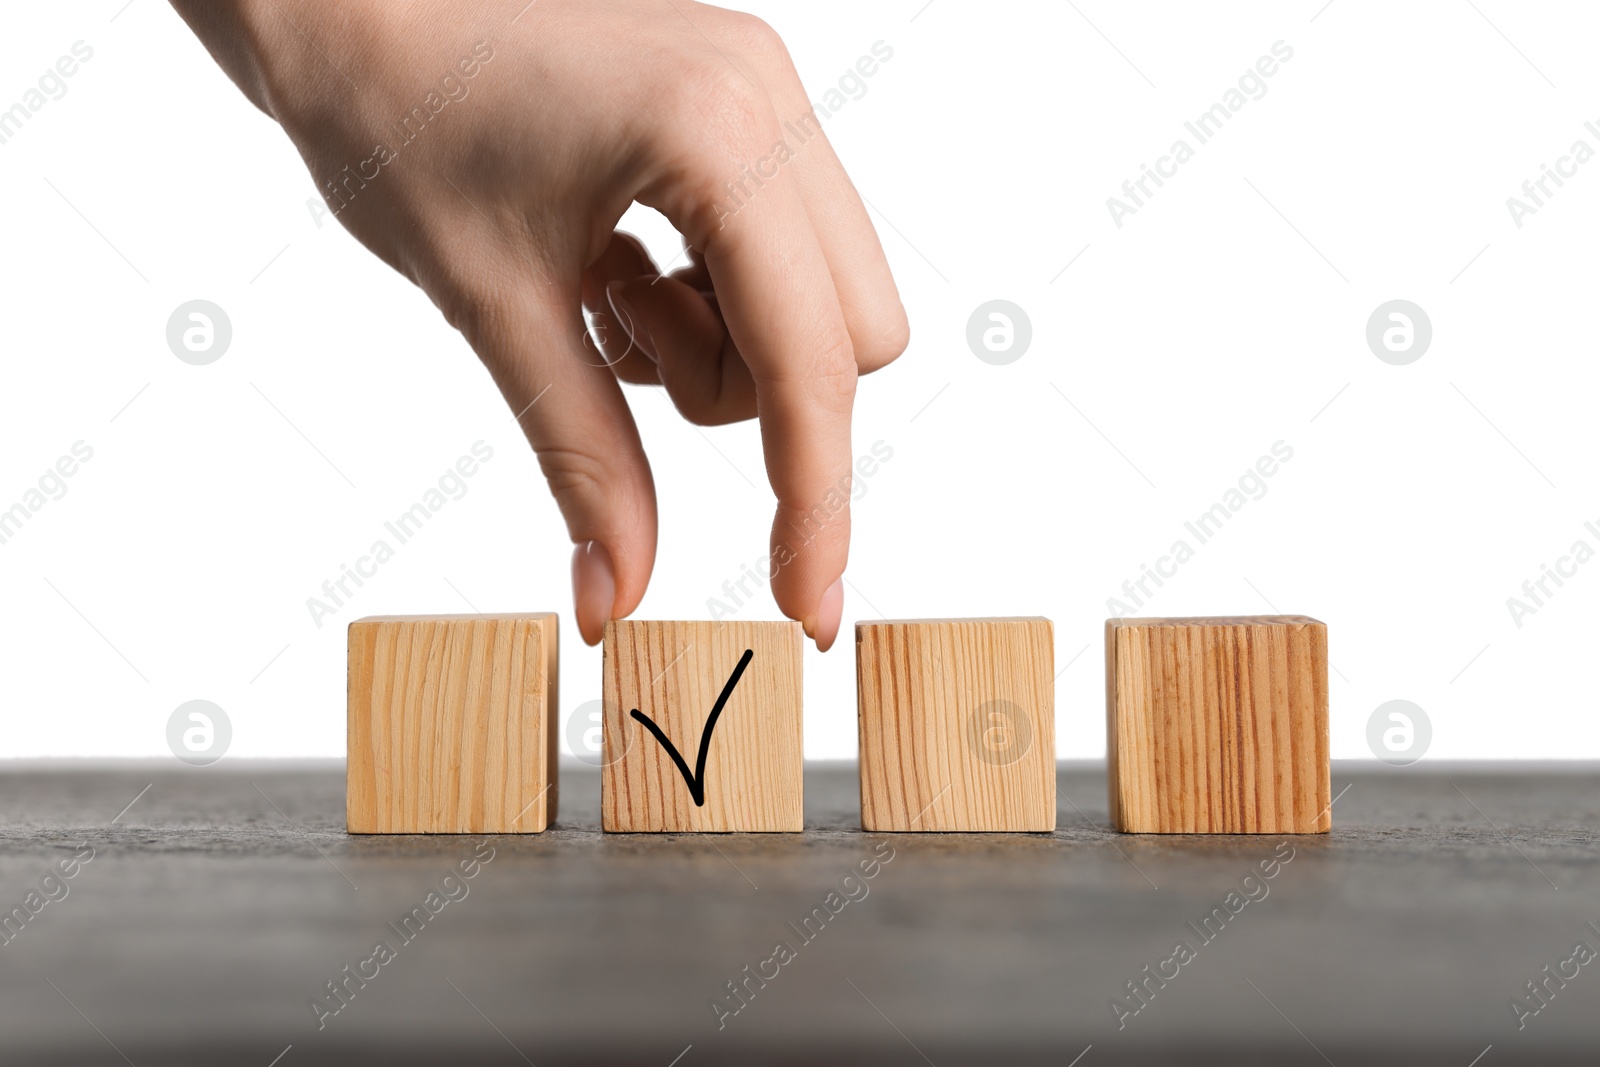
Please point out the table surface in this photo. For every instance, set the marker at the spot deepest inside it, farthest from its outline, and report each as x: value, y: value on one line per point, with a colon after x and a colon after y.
x: 223, y: 900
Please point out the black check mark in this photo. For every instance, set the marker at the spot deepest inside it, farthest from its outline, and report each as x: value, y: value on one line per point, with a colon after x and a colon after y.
x: 696, y: 781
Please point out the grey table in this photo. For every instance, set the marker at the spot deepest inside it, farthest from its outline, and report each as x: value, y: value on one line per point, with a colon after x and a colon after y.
x: 218, y: 905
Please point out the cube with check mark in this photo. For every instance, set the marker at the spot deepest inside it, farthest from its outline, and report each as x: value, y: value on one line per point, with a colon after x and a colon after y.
x: 701, y: 727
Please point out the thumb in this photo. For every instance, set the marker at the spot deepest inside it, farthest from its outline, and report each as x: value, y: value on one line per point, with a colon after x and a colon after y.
x: 573, y: 413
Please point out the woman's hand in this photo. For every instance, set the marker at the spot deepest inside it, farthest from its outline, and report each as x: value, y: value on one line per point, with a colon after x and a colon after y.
x: 486, y: 149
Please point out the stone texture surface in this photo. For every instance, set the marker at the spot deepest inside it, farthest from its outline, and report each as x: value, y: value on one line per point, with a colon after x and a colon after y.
x: 225, y: 898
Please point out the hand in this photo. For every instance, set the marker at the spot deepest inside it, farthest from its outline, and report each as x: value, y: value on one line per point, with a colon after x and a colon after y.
x: 486, y: 150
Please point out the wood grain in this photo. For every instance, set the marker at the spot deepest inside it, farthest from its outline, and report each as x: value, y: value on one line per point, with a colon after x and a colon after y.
x: 957, y: 724
x: 451, y: 724
x: 673, y: 672
x: 1218, y: 725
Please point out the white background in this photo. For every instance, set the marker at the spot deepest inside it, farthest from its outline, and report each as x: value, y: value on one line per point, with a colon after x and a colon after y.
x: 1165, y: 360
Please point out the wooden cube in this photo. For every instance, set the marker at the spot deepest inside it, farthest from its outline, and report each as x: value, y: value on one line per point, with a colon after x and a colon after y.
x: 1218, y: 726
x: 957, y: 724
x: 451, y: 724
x: 700, y: 727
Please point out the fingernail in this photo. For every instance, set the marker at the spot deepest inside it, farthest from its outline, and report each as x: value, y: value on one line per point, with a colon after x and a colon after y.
x: 828, y: 615
x: 594, y: 589
x: 630, y: 321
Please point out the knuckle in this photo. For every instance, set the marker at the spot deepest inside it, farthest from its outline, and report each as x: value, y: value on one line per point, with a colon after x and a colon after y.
x: 483, y: 294
x: 469, y: 309
x: 836, y: 357
x: 702, y: 397
x: 834, y: 374
x: 885, y: 346
x: 697, y: 409
x: 718, y: 123
x: 753, y: 36
x: 571, y: 473
x: 469, y: 291
x: 715, y: 106
x: 820, y: 526
x: 696, y: 400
